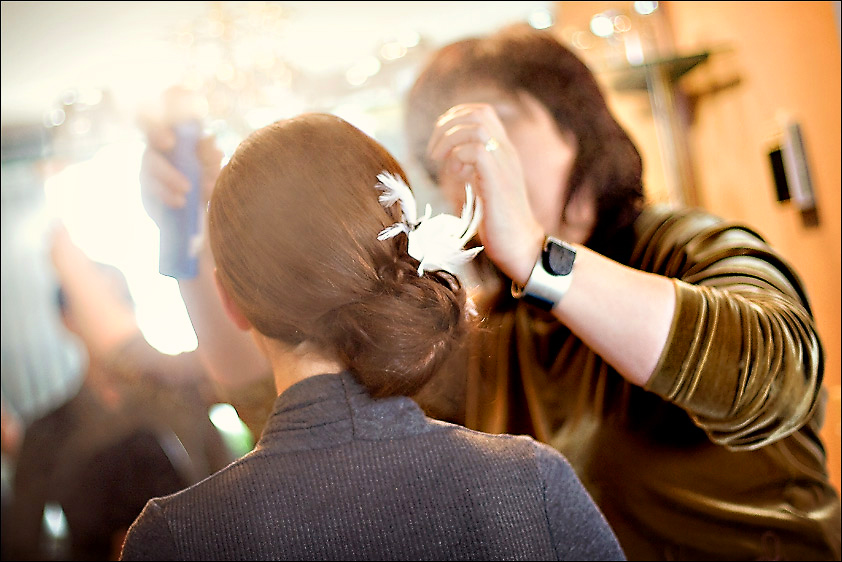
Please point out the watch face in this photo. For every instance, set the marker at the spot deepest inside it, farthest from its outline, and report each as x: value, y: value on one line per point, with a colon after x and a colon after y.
x: 558, y: 258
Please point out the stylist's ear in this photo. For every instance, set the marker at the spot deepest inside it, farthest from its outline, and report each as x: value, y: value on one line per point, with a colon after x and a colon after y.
x: 230, y: 306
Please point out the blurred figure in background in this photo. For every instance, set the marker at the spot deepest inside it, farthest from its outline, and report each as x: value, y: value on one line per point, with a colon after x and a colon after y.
x: 137, y: 427
x: 670, y: 354
x: 12, y: 435
x: 12, y: 429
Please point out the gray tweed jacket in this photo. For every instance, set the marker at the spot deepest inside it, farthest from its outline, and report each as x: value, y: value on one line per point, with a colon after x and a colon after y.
x: 337, y: 475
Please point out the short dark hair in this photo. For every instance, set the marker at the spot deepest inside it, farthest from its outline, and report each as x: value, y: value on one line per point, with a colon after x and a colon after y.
x: 520, y: 59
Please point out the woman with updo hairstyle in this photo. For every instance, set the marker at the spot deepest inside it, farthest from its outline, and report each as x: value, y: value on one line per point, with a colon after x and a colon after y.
x: 321, y: 270
x: 292, y: 238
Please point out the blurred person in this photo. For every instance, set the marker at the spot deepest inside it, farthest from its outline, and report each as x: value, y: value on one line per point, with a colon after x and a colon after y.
x: 12, y: 435
x: 137, y: 427
x: 12, y: 429
x: 671, y: 355
x: 315, y: 243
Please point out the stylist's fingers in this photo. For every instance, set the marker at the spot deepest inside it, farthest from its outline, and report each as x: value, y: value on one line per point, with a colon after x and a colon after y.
x: 508, y: 228
x: 469, y: 143
x: 160, y: 137
x: 151, y: 120
x: 464, y: 123
x: 161, y: 182
x: 461, y: 162
x: 458, y: 135
x: 497, y: 179
x: 469, y: 153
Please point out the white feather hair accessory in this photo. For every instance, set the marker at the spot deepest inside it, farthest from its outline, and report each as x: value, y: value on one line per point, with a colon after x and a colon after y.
x: 437, y: 242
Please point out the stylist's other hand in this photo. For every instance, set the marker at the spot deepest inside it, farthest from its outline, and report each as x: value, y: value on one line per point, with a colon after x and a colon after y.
x: 161, y: 184
x: 469, y: 143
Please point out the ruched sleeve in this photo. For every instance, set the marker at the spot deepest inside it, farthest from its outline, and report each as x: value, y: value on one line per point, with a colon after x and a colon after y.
x: 743, y: 357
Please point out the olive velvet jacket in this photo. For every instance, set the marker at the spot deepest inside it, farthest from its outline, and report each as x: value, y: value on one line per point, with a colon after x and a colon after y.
x: 719, y: 456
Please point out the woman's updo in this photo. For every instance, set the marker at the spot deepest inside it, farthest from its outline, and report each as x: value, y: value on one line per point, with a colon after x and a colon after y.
x: 293, y: 225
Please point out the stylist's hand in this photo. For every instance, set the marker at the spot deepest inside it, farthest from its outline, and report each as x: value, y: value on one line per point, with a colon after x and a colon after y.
x: 460, y: 145
x: 160, y: 182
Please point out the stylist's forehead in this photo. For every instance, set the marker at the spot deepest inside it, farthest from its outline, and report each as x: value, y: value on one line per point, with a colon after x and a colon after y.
x: 508, y: 105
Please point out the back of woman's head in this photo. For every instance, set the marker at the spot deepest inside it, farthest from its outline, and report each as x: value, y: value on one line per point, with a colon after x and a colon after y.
x: 293, y: 225
x: 519, y: 59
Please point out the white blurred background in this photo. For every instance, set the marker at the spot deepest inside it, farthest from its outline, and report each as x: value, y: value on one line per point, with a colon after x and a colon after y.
x: 75, y: 74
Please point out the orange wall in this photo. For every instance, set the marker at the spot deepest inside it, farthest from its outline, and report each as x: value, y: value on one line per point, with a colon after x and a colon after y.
x: 766, y: 58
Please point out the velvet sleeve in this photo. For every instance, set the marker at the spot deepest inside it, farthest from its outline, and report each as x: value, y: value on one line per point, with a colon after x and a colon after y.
x: 743, y: 356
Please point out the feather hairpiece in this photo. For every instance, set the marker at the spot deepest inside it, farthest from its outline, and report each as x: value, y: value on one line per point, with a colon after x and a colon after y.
x: 437, y: 242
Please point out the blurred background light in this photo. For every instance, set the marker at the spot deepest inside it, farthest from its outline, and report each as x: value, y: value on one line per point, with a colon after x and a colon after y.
x: 602, y: 25
x: 645, y: 8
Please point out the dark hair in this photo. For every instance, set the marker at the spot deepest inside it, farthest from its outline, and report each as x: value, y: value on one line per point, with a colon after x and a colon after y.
x: 519, y: 59
x: 293, y: 221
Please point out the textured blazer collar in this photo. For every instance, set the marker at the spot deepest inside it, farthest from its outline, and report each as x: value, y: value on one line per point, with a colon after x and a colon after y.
x: 331, y: 409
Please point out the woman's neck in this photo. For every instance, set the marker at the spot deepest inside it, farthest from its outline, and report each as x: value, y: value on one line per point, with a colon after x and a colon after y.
x: 291, y: 364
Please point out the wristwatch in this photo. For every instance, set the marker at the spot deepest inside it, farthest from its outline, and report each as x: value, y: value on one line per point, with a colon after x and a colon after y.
x: 551, y: 276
